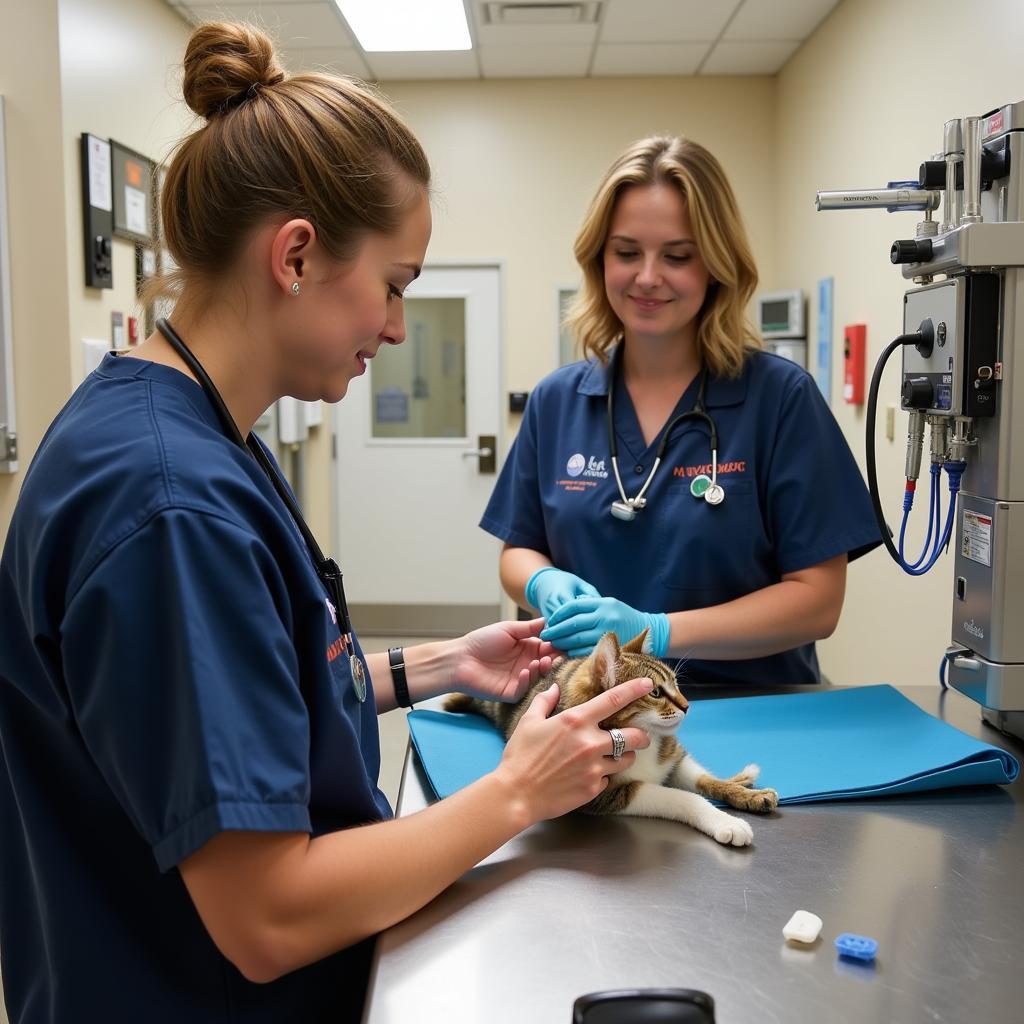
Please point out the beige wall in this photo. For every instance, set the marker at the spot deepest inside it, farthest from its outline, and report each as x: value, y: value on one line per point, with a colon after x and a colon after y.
x: 31, y: 87
x: 120, y: 63
x: 862, y: 103
x: 102, y: 66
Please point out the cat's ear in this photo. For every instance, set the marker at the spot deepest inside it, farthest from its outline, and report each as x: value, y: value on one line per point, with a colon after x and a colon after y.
x: 636, y: 645
x: 606, y: 653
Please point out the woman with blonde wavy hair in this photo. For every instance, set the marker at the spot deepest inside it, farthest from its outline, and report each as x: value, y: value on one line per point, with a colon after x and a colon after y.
x: 679, y: 479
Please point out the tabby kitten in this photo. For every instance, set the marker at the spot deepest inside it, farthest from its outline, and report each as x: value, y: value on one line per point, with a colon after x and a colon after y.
x: 664, y: 781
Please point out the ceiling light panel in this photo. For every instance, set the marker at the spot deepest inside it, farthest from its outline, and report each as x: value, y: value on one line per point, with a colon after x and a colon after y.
x: 391, y: 26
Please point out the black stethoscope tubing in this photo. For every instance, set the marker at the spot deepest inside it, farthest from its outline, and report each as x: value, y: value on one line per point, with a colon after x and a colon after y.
x: 698, y: 412
x: 326, y: 568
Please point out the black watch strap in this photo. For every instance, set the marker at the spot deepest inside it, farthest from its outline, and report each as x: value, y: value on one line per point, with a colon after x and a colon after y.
x: 396, y: 658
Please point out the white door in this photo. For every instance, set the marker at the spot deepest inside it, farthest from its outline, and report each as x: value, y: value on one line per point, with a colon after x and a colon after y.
x: 417, y: 440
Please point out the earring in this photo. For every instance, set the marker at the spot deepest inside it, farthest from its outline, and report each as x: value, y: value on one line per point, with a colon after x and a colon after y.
x: 295, y: 287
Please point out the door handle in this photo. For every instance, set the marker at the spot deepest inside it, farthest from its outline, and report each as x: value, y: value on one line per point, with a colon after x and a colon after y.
x: 486, y: 444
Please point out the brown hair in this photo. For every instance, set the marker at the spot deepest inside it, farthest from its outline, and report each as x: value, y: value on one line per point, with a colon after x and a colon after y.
x: 724, y: 335
x: 324, y: 147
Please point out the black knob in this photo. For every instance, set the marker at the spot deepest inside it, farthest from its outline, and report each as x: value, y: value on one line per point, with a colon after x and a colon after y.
x: 933, y: 174
x: 911, y: 250
x: 918, y: 392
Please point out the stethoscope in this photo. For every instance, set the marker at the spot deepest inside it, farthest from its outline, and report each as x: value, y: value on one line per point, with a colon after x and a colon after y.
x: 702, y: 486
x: 326, y: 568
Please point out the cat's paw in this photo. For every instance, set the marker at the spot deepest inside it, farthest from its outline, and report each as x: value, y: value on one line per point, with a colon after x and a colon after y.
x: 748, y: 776
x: 764, y: 800
x: 730, y: 831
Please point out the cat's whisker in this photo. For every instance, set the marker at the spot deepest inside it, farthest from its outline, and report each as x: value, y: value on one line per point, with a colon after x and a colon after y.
x: 681, y: 662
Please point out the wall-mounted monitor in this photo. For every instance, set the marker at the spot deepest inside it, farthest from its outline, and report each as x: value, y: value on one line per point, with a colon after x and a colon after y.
x: 782, y: 314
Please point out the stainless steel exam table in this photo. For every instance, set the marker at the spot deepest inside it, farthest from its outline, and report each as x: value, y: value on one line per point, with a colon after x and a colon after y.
x: 582, y: 904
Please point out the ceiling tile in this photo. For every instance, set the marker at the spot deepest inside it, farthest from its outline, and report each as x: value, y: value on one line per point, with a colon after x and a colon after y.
x: 343, y: 60
x: 665, y: 21
x: 528, y: 35
x: 423, y: 64
x: 545, y: 60
x: 762, y: 20
x: 292, y: 25
x: 649, y: 58
x: 749, y: 58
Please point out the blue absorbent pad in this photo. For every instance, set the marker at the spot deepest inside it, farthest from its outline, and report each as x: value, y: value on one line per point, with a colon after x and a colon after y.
x: 832, y: 745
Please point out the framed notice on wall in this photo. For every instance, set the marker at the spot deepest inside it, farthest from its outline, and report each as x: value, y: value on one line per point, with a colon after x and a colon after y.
x: 133, y: 181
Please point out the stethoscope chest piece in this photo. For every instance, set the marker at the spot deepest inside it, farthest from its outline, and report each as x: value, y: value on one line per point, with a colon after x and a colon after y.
x: 711, y: 491
x: 355, y: 664
x: 715, y: 494
x: 624, y: 510
x: 699, y: 485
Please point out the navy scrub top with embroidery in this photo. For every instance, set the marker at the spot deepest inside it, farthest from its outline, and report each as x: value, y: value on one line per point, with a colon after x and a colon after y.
x: 170, y: 668
x: 794, y: 497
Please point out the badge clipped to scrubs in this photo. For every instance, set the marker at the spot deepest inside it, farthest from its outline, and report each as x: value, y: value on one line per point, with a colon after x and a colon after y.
x: 355, y: 664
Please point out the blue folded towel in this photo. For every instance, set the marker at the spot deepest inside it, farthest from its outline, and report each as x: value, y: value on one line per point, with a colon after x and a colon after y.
x: 830, y: 745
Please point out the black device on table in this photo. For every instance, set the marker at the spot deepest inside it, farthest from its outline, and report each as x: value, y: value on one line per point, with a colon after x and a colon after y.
x: 645, y: 1006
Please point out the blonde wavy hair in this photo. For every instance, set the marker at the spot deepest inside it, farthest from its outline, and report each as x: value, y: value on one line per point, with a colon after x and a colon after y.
x: 724, y: 335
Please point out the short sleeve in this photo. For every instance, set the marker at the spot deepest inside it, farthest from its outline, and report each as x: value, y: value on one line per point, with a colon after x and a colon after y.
x: 818, y: 504
x: 184, y: 679
x: 515, y: 512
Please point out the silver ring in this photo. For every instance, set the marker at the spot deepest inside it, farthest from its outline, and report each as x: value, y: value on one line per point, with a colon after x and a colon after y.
x: 618, y: 743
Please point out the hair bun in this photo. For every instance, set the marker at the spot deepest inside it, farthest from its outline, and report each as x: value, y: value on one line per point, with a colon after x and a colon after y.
x: 224, y: 62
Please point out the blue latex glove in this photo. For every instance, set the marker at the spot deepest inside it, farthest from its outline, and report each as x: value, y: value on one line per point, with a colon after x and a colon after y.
x: 549, y: 588
x: 578, y: 624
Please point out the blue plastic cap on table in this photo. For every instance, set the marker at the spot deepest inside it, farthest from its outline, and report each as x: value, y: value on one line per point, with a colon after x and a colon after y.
x: 859, y: 947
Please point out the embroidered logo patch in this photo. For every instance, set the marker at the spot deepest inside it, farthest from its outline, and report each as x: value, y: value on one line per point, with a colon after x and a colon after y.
x: 576, y: 464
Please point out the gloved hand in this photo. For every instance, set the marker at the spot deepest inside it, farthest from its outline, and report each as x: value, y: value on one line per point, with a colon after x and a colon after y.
x: 549, y: 588
x: 578, y: 624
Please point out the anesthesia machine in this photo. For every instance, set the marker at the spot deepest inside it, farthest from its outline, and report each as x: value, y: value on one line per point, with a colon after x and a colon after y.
x: 963, y: 324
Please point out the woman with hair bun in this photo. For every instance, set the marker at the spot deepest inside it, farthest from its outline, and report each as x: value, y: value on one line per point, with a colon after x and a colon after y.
x: 679, y: 480
x: 192, y: 829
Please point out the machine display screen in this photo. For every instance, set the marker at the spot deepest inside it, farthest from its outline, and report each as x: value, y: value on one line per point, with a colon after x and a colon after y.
x: 775, y: 315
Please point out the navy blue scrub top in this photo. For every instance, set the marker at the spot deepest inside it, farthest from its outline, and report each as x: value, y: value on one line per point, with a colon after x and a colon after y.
x: 170, y: 668
x: 794, y: 497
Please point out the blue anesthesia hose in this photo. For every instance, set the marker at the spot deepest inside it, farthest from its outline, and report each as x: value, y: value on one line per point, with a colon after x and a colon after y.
x: 954, y: 470
x: 934, y: 513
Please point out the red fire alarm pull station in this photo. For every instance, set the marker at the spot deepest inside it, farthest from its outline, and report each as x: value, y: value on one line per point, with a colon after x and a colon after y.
x: 854, y: 346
